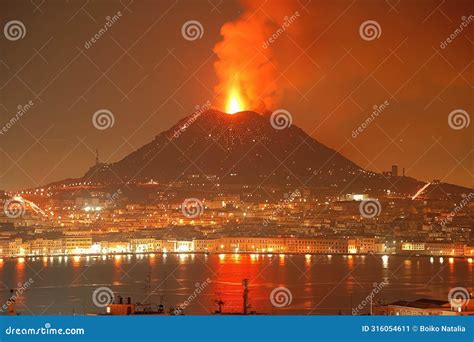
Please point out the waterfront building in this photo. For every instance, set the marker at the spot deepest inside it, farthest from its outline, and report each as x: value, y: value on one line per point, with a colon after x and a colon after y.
x: 143, y: 245
x: 364, y: 245
x: 412, y: 246
x: 46, y: 246
x: 426, y: 307
x: 77, y: 245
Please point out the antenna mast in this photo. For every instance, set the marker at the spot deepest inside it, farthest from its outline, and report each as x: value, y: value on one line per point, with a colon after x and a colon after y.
x: 245, y: 283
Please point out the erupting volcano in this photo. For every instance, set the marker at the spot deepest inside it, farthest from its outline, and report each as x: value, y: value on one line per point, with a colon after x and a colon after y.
x: 241, y: 144
x: 244, y: 149
x: 247, y: 73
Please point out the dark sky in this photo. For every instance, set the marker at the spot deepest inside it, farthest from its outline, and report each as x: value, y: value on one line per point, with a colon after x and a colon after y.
x: 149, y: 77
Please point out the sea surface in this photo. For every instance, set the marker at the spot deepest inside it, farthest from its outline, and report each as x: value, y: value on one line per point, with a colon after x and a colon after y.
x: 316, y: 284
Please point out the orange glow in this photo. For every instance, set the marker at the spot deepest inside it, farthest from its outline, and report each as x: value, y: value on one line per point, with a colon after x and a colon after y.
x: 307, y: 260
x: 117, y: 260
x: 253, y: 76
x: 235, y: 103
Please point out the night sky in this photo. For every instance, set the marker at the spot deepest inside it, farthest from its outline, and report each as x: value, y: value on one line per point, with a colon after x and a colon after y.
x: 328, y: 77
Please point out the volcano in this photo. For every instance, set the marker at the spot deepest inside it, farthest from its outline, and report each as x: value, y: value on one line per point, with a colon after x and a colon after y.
x: 245, y: 149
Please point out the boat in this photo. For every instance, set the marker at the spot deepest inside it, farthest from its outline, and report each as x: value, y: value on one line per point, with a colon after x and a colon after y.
x: 126, y: 308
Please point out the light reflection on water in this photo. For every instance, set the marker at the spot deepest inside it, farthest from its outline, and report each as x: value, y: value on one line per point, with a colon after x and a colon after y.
x: 320, y: 284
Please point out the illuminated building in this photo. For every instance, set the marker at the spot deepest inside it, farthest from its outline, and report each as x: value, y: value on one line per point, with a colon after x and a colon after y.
x: 143, y: 245
x: 425, y: 307
x: 77, y: 244
x: 46, y: 246
x: 364, y: 245
x: 413, y: 246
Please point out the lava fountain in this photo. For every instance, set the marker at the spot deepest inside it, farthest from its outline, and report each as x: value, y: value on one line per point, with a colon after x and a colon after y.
x: 234, y: 102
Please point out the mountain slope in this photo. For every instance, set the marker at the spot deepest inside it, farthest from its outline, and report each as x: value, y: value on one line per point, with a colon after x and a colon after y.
x: 240, y: 148
x: 246, y: 149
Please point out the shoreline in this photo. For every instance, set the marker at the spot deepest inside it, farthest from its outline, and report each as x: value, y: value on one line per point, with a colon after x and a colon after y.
x: 3, y: 258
